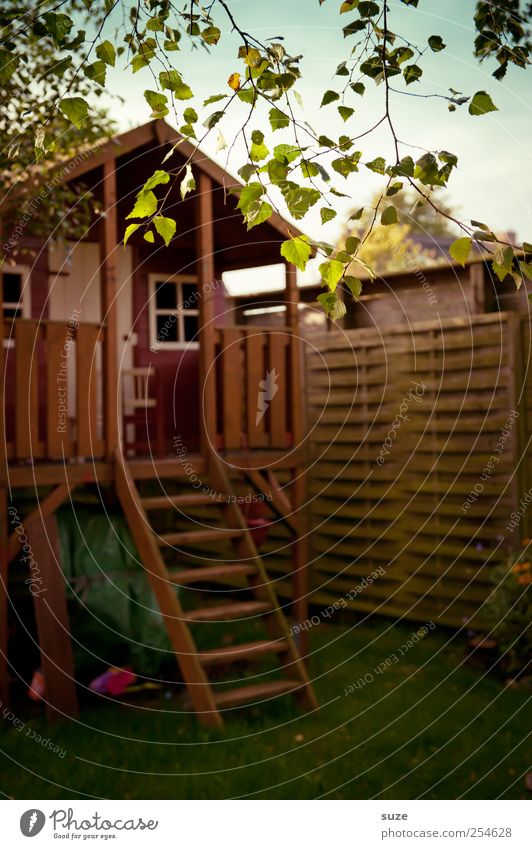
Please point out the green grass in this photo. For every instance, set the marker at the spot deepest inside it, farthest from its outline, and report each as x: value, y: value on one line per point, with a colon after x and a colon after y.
x: 427, y: 727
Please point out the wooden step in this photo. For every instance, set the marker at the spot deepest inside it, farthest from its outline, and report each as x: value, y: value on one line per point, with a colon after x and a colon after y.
x: 256, y: 692
x: 210, y: 573
x: 229, y: 654
x: 195, y: 537
x: 168, y: 502
x: 237, y: 610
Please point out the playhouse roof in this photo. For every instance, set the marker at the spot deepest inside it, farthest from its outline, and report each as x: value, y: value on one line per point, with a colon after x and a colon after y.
x: 160, y: 132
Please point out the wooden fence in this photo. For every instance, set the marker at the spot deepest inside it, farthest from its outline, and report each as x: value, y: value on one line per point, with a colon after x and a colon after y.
x: 417, y: 462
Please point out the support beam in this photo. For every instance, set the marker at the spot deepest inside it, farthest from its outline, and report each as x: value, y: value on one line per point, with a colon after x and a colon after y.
x: 53, y: 629
x: 298, y: 473
x: 46, y: 507
x: 4, y: 671
x: 205, y: 266
x: 108, y: 278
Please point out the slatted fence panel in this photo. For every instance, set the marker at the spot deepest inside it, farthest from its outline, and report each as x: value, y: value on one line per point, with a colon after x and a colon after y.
x: 414, y: 459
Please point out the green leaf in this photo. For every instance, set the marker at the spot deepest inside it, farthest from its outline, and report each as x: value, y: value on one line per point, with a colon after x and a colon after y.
x: 257, y: 212
x: 75, y: 109
x: 331, y: 272
x: 368, y: 10
x: 436, y: 43
x: 188, y: 184
x: 165, y: 227
x: 393, y: 189
x: 172, y: 80
x: 157, y: 102
x: 8, y: 65
x: 297, y: 251
x: 405, y: 168
x: 327, y: 214
x: 389, y: 216
x: 96, y: 71
x: 356, y: 216
x: 58, y: 25
x: 348, y: 6
x: 333, y: 306
x: 503, y: 261
x: 345, y: 112
x: 329, y: 97
x: 246, y: 171
x: 190, y: 115
x: 211, y: 35
x: 378, y: 165
x: 145, y: 205
x: 286, y: 153
x: 214, y: 99
x: 278, y: 119
x: 149, y: 236
x: 526, y: 268
x: 130, y: 229
x: 258, y: 150
x: 351, y: 244
x: 460, y: 249
x: 155, y: 25
x: 412, y: 73
x: 212, y: 120
x: 106, y: 52
x: 158, y: 178
x: 299, y: 200
x: 277, y: 171
x: 249, y: 194
x: 354, y: 284
x: 481, y: 104
x: 527, y: 247
x: 358, y: 88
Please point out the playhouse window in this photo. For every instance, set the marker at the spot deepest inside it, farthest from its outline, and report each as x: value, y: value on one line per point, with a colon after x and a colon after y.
x: 15, y: 296
x: 174, y: 312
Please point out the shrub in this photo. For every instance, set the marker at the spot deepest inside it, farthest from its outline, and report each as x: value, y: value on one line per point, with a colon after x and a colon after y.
x: 508, y: 609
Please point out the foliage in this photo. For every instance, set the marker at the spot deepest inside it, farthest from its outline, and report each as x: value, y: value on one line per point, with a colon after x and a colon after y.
x: 386, y: 247
x: 37, y: 140
x: 310, y: 167
x: 509, y: 608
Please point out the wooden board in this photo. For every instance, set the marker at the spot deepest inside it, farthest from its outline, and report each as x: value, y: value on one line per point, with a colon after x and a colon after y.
x: 53, y: 630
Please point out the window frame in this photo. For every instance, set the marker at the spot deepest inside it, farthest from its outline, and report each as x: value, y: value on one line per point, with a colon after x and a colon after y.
x: 181, y: 344
x: 24, y: 304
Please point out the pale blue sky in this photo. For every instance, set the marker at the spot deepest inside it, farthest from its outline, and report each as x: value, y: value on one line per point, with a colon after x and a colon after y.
x: 494, y: 179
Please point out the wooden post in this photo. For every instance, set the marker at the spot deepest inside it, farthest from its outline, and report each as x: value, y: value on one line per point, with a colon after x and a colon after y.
x: 298, y: 485
x: 206, y: 334
x: 4, y: 669
x: 53, y: 630
x: 108, y: 283
x: 478, y: 287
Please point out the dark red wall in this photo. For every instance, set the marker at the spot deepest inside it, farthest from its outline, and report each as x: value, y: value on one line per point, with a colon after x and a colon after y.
x: 178, y: 371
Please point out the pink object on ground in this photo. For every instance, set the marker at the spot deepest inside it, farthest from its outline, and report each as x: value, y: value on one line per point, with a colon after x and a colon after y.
x: 113, y: 682
x: 36, y: 688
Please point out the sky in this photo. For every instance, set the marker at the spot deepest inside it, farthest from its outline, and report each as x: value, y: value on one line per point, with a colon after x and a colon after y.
x: 493, y: 182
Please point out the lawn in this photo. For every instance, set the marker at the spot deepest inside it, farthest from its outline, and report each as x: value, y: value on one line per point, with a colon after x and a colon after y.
x: 429, y: 726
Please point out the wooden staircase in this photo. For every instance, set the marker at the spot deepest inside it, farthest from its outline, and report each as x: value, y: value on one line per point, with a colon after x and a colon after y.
x: 243, y: 573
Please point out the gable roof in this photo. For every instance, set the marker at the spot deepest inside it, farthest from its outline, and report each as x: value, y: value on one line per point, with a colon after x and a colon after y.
x: 160, y: 132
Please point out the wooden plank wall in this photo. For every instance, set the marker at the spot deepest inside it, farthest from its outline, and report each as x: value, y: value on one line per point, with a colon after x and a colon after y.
x: 409, y: 427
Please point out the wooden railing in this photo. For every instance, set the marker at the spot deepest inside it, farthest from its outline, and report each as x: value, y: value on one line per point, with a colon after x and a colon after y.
x: 252, y: 379
x: 53, y: 390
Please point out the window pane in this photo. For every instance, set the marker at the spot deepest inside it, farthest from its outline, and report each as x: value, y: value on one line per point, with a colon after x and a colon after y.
x: 166, y: 329
x: 11, y: 312
x: 166, y: 296
x: 190, y: 323
x: 190, y: 296
x: 12, y: 287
